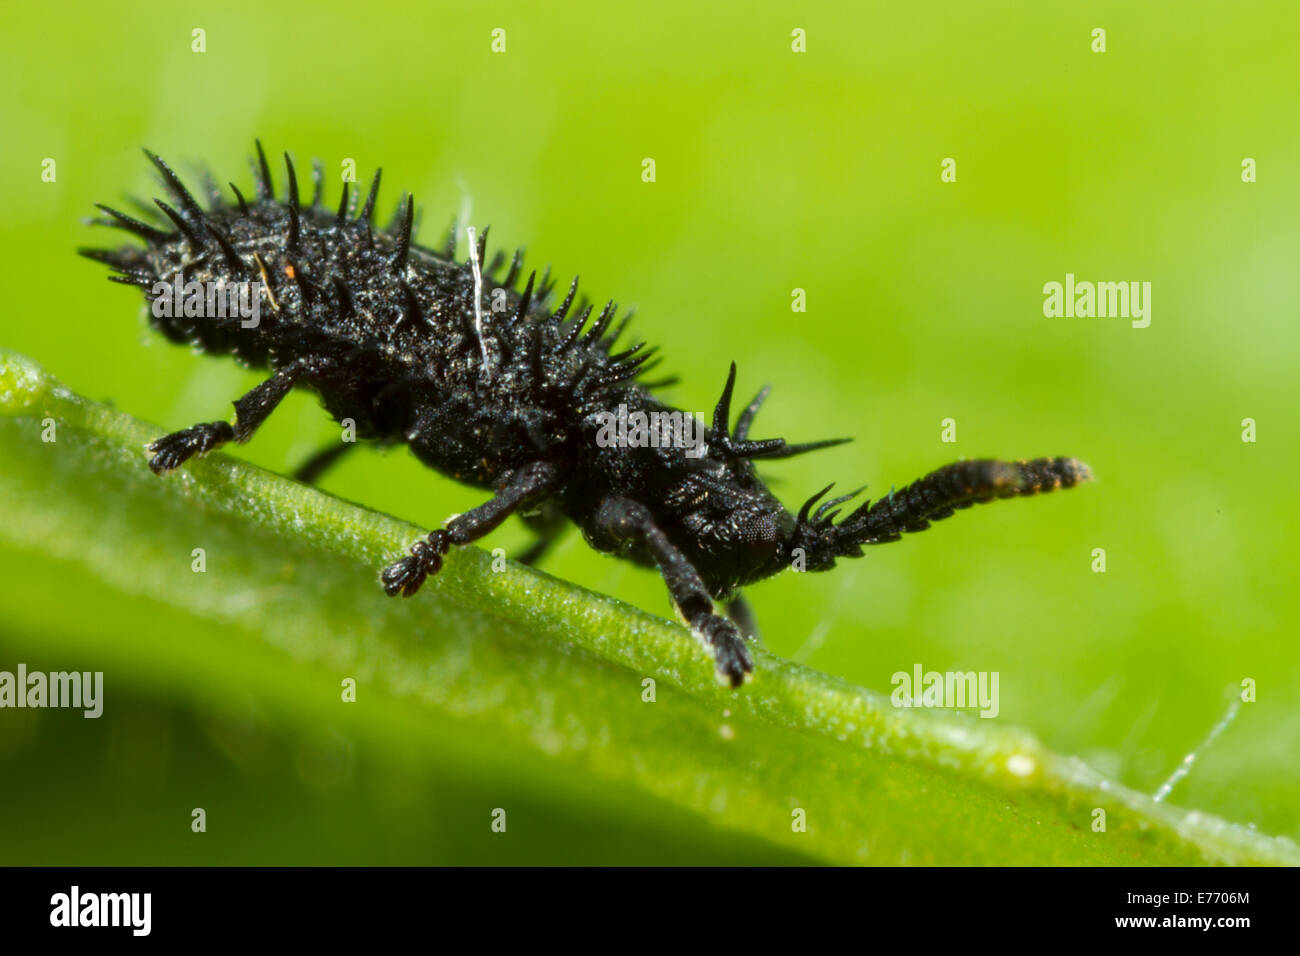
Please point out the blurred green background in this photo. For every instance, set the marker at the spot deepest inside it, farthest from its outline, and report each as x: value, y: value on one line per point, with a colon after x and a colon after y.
x: 775, y: 171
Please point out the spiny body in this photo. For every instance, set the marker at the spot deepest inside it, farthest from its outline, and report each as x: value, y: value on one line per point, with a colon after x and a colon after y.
x: 397, y: 318
x: 489, y: 385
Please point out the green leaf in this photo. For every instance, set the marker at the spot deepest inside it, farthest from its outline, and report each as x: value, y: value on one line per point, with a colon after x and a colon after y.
x: 514, y: 672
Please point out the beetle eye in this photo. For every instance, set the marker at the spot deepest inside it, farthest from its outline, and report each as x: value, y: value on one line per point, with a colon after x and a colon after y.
x: 760, y: 532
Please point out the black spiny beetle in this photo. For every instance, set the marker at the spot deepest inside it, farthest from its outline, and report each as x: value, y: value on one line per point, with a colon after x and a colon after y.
x: 403, y: 340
